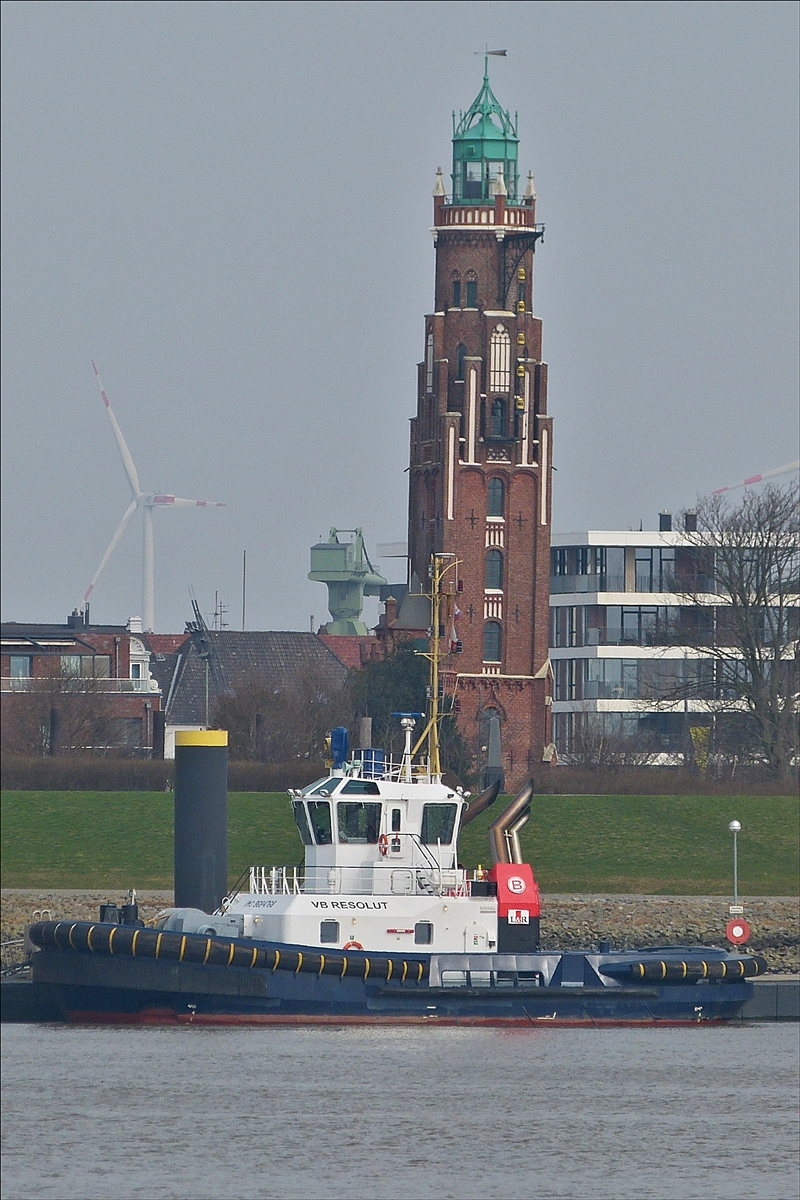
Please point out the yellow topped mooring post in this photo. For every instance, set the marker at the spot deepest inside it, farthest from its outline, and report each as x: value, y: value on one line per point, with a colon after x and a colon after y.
x: 201, y: 818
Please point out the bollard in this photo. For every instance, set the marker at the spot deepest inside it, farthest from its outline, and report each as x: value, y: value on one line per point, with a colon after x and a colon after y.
x: 201, y: 818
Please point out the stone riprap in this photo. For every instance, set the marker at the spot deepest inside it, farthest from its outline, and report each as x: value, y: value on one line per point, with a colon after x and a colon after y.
x: 568, y: 921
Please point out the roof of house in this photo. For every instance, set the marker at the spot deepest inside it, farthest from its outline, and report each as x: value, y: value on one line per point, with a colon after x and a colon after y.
x: 235, y: 658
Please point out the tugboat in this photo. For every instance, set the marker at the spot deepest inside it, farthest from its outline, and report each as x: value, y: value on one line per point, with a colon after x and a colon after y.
x: 382, y: 923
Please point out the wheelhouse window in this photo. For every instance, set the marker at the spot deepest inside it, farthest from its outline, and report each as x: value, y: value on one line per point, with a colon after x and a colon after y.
x: 438, y: 823
x: 319, y: 812
x: 20, y: 666
x: 423, y: 933
x: 495, y: 498
x: 325, y: 785
x: 493, y: 572
x: 359, y: 822
x: 329, y: 932
x: 360, y: 787
x: 301, y: 820
x: 492, y: 641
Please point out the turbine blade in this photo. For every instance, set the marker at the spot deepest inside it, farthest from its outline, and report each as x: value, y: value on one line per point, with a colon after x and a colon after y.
x: 129, y: 511
x: 751, y: 479
x: 124, y: 452
x: 180, y: 502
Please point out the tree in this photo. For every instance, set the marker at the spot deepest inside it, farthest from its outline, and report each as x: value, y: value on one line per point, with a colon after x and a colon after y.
x: 398, y: 683
x: 269, y: 724
x: 748, y: 555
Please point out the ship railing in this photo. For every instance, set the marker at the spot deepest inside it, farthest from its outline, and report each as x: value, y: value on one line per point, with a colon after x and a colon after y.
x: 371, y: 879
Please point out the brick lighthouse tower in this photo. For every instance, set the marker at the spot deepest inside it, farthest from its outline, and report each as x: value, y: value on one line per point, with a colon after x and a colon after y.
x: 481, y: 441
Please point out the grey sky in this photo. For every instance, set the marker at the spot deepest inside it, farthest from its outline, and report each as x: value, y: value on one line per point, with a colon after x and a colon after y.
x: 228, y: 206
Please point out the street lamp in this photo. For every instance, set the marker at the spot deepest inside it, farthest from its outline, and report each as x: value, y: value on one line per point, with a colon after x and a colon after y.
x: 735, y: 829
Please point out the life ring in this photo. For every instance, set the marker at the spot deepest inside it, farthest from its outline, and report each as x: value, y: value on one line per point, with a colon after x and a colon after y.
x: 383, y: 845
x: 352, y: 946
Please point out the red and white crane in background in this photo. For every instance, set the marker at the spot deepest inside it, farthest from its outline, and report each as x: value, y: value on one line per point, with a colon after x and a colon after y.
x: 784, y: 470
x: 148, y: 502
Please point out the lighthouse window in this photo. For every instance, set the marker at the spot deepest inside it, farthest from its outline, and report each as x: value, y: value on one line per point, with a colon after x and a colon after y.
x: 329, y: 932
x: 359, y: 823
x: 498, y: 418
x: 423, y: 933
x: 320, y: 813
x: 493, y: 575
x: 472, y: 293
x: 473, y: 172
x: 495, y: 498
x: 456, y: 293
x: 438, y: 823
x: 500, y: 359
x: 302, y: 822
x: 492, y: 642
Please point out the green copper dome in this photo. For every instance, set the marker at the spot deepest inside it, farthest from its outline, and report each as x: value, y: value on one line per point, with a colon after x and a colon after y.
x: 485, y: 143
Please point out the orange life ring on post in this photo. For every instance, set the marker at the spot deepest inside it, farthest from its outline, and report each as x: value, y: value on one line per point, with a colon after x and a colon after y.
x: 383, y: 845
x: 352, y: 946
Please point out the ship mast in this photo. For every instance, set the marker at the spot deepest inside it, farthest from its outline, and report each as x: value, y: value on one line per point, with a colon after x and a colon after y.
x: 442, y: 576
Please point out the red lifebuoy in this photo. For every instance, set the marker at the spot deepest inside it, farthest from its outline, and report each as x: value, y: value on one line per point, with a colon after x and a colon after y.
x: 352, y: 946
x: 383, y: 845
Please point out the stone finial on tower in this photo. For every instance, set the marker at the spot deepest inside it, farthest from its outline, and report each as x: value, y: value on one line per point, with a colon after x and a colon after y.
x: 498, y: 186
x: 438, y: 187
x: 530, y: 190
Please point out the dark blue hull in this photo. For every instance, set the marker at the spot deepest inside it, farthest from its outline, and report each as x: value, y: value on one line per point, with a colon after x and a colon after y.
x: 80, y: 987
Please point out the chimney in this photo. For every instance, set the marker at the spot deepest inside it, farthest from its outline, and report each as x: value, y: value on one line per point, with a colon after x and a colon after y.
x: 390, y: 615
x: 690, y: 522
x: 665, y: 522
x: 134, y: 624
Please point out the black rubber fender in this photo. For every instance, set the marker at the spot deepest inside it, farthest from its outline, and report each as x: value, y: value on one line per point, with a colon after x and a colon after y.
x: 730, y: 970
x: 87, y: 937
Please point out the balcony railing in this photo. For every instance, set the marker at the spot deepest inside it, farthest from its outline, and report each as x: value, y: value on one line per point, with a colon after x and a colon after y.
x: 76, y: 683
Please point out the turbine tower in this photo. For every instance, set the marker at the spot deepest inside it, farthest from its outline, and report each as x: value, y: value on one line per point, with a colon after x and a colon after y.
x: 148, y: 502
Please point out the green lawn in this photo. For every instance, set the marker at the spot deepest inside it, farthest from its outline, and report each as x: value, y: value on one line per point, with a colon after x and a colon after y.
x: 658, y: 844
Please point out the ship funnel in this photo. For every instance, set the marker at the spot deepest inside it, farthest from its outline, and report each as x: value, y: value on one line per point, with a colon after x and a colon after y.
x: 481, y: 803
x: 504, y: 832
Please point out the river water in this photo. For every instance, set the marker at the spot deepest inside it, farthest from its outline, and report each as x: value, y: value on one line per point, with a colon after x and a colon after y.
x: 241, y: 1114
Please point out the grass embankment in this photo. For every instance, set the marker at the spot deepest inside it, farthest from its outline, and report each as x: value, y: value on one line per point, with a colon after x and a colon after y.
x: 669, y: 845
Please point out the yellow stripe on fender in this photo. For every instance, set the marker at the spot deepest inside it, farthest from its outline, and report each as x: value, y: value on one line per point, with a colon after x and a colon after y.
x: 277, y: 954
x: 663, y: 970
x: 724, y: 966
x: 366, y: 967
x: 111, y: 937
x: 208, y: 951
x: 321, y: 964
x: 299, y: 961
x: 133, y: 943
x: 389, y: 971
x: 254, y: 957
x: 685, y: 969
x: 183, y: 948
x: 344, y: 967
x: 89, y: 945
x: 704, y: 965
x: 158, y: 944
x: 69, y: 937
x: 419, y: 972
x: 405, y: 971
x: 231, y: 953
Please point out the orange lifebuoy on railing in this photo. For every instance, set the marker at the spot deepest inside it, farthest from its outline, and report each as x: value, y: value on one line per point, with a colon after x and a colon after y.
x: 383, y: 845
x: 352, y: 946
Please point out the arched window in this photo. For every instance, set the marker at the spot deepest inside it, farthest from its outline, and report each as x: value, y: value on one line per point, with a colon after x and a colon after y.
x: 498, y: 417
x: 456, y: 290
x: 500, y: 360
x: 461, y: 354
x: 429, y: 363
x: 493, y: 572
x: 495, y: 498
x: 472, y: 290
x: 492, y: 642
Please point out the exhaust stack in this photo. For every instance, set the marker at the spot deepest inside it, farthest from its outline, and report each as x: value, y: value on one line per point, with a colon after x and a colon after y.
x: 504, y: 832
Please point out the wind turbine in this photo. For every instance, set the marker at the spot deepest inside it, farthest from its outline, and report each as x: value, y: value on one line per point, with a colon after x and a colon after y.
x: 148, y: 502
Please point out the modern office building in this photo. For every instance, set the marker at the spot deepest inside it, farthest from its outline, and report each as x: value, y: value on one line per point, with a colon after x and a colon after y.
x: 626, y: 645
